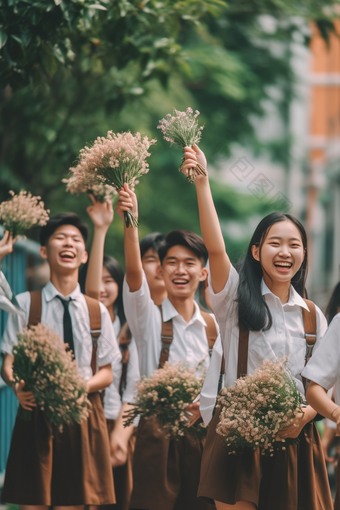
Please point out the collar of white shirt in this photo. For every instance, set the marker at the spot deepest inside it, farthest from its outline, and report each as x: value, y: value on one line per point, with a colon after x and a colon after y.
x: 169, y: 312
x: 51, y: 292
x: 294, y: 297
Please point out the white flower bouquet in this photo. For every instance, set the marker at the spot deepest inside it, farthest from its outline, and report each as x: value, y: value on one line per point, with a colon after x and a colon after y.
x: 182, y: 129
x: 110, y: 162
x: 166, y: 395
x: 257, y: 407
x: 22, y: 212
x: 41, y: 360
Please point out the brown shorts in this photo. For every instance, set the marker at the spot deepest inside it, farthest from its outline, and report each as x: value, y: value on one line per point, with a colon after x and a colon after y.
x: 122, y: 475
x: 293, y: 479
x: 165, y: 471
x: 66, y: 469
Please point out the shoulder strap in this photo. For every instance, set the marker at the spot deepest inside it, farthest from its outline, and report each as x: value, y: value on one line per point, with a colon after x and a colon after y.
x: 243, y: 343
x: 95, y: 327
x: 310, y: 324
x: 167, y: 336
x: 210, y: 329
x: 35, y: 309
x: 124, y: 340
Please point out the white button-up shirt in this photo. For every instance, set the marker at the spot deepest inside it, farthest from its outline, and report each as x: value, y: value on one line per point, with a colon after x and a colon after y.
x: 112, y: 400
x: 209, y: 391
x: 52, y: 314
x: 324, y: 366
x: 284, y: 338
x: 189, y: 343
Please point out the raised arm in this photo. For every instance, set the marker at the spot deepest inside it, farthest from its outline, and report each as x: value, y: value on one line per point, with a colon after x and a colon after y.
x: 101, y: 215
x: 133, y: 262
x: 6, y: 245
x: 210, y: 226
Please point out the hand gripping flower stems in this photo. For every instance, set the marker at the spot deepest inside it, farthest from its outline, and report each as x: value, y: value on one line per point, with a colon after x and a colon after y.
x: 182, y: 129
x: 111, y: 161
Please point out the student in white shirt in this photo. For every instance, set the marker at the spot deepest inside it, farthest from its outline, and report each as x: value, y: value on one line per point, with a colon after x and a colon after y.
x: 264, y: 299
x: 104, y: 281
x: 166, y: 472
x: 47, y: 468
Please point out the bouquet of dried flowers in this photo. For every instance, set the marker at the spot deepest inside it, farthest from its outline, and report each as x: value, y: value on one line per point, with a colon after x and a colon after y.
x: 257, y: 407
x: 182, y: 129
x: 49, y: 371
x: 81, y: 182
x: 112, y: 161
x: 21, y: 212
x: 166, y: 395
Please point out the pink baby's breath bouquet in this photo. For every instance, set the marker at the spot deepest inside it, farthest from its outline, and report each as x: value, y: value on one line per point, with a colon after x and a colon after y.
x: 112, y: 161
x: 81, y: 182
x: 166, y: 395
x: 49, y: 371
x: 182, y: 129
x: 257, y: 407
x: 22, y: 212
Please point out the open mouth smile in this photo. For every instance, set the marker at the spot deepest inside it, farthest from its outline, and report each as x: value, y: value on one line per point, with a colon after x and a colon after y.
x: 283, y: 267
x: 67, y: 255
x: 180, y: 282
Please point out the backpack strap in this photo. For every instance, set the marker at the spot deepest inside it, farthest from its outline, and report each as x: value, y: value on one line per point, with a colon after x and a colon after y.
x: 95, y: 327
x: 167, y: 336
x: 35, y: 308
x: 124, y: 340
x: 211, y: 330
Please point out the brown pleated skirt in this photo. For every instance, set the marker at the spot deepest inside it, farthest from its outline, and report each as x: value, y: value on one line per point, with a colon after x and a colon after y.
x: 122, y: 475
x: 293, y: 479
x: 165, y: 471
x: 66, y: 468
x: 337, y: 495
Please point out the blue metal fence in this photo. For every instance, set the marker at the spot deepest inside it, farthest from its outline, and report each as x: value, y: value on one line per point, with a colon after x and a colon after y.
x: 14, y: 267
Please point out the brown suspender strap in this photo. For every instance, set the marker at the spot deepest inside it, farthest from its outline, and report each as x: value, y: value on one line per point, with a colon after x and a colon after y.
x: 124, y: 340
x: 211, y: 330
x: 95, y: 327
x: 167, y: 336
x: 35, y: 309
x: 243, y: 343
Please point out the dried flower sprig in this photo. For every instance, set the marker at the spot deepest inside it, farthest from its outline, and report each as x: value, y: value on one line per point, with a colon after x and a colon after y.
x: 166, y: 395
x: 182, y: 129
x: 22, y: 212
x: 81, y: 182
x: 257, y: 407
x: 113, y: 160
x: 49, y: 371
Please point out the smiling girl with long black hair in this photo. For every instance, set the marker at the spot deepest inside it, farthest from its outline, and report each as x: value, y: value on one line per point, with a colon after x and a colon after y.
x: 264, y: 304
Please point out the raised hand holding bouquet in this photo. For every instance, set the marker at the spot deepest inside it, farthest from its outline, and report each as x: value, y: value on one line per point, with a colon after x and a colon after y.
x: 50, y: 373
x: 257, y: 407
x: 166, y: 395
x: 182, y: 129
x: 112, y: 161
x: 22, y: 212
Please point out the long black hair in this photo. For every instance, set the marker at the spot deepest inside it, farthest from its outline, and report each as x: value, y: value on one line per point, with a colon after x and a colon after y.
x: 334, y: 304
x: 117, y: 273
x: 253, y: 311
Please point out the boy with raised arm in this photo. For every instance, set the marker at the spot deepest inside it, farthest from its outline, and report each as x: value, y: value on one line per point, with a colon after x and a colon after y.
x: 166, y: 471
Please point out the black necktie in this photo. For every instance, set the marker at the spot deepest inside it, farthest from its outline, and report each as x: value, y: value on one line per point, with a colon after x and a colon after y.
x: 67, y: 323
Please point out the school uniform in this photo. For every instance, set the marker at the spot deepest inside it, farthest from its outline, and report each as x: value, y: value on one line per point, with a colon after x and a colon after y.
x: 113, y: 400
x: 46, y: 467
x: 212, y: 380
x: 165, y: 471
x: 295, y: 478
x: 324, y: 369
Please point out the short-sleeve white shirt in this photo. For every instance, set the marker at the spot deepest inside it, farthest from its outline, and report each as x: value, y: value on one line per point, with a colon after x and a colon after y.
x: 324, y: 366
x: 284, y: 338
x: 189, y: 343
x: 52, y: 314
x: 112, y: 400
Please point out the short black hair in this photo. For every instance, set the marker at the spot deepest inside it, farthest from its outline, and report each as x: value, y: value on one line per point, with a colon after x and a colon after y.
x: 56, y: 221
x: 184, y: 238
x: 153, y: 240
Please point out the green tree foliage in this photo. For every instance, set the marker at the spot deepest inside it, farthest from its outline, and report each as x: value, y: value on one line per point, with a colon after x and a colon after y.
x: 72, y: 70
